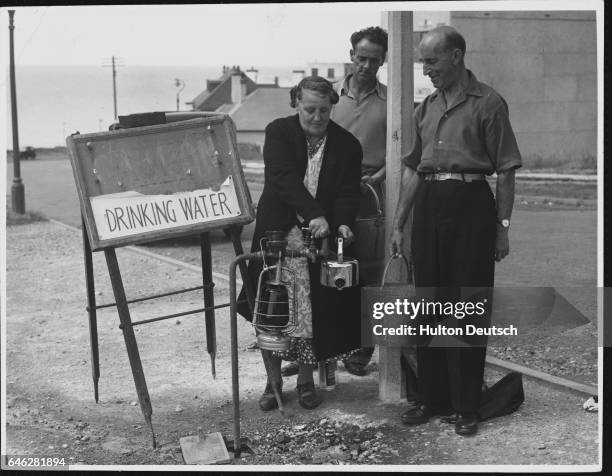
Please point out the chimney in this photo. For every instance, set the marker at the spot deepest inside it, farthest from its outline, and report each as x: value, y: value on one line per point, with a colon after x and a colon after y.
x: 297, y: 75
x: 238, y: 89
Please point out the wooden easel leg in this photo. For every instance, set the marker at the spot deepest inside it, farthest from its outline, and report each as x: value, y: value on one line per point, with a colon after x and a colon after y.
x: 209, y: 300
x: 248, y: 286
x: 91, y: 311
x: 130, y: 339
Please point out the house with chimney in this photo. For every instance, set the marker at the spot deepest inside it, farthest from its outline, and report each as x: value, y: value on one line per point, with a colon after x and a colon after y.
x: 331, y: 71
x: 251, y: 105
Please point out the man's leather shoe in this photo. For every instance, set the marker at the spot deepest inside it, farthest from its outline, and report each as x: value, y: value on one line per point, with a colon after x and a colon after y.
x: 307, y: 396
x: 355, y: 368
x: 466, y: 424
x: 292, y: 368
x: 420, y: 414
x: 268, y: 401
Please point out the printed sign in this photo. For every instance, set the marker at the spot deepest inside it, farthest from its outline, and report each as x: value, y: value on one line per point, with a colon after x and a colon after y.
x: 131, y: 213
x: 160, y: 181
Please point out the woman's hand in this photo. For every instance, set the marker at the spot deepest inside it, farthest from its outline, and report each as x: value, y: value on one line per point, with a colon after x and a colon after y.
x: 319, y: 228
x: 346, y: 234
x: 397, y: 242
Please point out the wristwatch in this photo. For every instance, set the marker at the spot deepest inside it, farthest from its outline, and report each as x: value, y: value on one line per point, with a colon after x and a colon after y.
x: 505, y: 223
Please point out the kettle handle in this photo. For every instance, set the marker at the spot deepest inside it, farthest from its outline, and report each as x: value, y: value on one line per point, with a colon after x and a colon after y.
x: 406, y: 262
x: 340, y: 250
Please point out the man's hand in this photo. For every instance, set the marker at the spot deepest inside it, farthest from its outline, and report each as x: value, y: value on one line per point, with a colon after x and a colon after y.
x: 319, y: 228
x: 372, y: 179
x: 347, y: 235
x: 397, y: 242
x: 502, y: 244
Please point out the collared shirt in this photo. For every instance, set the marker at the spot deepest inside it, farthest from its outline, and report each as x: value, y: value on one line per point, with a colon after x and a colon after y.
x: 366, y: 119
x: 472, y: 135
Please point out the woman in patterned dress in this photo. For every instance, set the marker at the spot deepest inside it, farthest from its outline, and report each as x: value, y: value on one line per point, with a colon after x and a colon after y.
x: 312, y: 178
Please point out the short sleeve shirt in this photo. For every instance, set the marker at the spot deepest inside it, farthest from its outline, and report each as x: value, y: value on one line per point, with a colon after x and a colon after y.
x: 472, y: 135
x: 366, y: 119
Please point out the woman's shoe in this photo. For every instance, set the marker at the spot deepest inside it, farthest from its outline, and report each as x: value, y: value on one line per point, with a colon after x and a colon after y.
x: 268, y: 401
x: 307, y: 396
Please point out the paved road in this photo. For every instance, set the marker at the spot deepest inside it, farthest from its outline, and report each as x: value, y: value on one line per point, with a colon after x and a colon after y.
x: 548, y: 248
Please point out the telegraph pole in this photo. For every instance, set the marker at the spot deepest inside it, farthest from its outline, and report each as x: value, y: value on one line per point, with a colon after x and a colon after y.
x: 115, y: 63
x: 17, y: 189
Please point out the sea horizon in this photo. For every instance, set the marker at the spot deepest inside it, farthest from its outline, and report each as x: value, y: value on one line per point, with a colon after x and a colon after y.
x: 54, y: 101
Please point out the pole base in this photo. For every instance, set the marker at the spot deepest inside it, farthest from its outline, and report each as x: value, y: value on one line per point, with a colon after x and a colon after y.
x: 18, y: 197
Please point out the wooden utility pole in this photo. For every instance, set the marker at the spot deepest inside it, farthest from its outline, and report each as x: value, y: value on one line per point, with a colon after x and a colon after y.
x: 400, y: 105
x: 115, y: 63
x: 17, y: 188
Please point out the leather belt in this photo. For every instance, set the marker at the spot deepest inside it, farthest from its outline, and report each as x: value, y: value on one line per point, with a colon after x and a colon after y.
x: 455, y: 176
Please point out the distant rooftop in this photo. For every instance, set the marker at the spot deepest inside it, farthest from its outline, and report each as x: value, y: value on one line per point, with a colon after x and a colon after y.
x: 261, y: 107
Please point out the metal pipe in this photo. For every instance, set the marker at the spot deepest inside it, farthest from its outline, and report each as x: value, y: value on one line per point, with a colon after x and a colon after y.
x: 234, y: 335
x: 234, y: 352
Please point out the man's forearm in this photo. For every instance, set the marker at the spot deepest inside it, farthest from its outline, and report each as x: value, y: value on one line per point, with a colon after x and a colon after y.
x: 504, y: 194
x: 409, y: 185
x: 379, y: 176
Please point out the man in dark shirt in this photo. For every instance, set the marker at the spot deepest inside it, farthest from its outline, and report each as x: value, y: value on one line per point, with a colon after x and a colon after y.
x: 461, y: 134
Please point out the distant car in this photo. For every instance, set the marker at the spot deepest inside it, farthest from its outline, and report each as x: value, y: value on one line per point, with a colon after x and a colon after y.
x: 28, y: 153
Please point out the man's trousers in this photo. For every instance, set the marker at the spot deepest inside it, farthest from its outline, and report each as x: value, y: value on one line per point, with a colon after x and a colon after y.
x: 453, y: 247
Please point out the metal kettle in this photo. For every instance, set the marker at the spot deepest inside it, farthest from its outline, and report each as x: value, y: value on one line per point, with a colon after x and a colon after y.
x: 341, y: 273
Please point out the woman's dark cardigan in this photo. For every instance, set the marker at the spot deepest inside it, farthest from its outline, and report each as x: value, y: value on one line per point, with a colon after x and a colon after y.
x: 336, y: 319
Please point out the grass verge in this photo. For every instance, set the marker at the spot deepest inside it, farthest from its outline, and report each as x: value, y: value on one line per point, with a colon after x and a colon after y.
x: 14, y: 219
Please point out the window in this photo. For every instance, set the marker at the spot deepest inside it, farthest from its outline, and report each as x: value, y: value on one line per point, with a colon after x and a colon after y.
x: 314, y: 72
x: 330, y: 73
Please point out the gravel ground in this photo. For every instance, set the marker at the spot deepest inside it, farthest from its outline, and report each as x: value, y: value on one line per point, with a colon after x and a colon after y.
x: 542, y: 255
x: 50, y: 409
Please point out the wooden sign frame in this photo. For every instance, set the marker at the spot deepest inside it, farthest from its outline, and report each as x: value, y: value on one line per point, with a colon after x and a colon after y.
x: 168, y: 161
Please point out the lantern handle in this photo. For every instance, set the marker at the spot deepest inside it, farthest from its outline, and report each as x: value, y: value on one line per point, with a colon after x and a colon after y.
x: 261, y: 250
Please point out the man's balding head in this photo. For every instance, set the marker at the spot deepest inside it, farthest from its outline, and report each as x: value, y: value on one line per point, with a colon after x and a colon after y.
x: 443, y: 39
x: 441, y: 52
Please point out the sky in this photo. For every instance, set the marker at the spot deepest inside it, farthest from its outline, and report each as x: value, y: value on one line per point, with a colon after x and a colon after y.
x: 212, y: 35
x: 259, y: 34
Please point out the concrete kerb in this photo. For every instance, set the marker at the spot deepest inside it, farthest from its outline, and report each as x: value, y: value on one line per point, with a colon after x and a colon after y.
x: 494, y: 362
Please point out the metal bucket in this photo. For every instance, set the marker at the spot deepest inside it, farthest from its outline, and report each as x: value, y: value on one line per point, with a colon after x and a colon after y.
x: 370, y: 243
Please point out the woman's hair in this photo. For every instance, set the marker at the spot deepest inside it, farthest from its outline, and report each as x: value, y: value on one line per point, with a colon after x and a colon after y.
x: 316, y: 84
